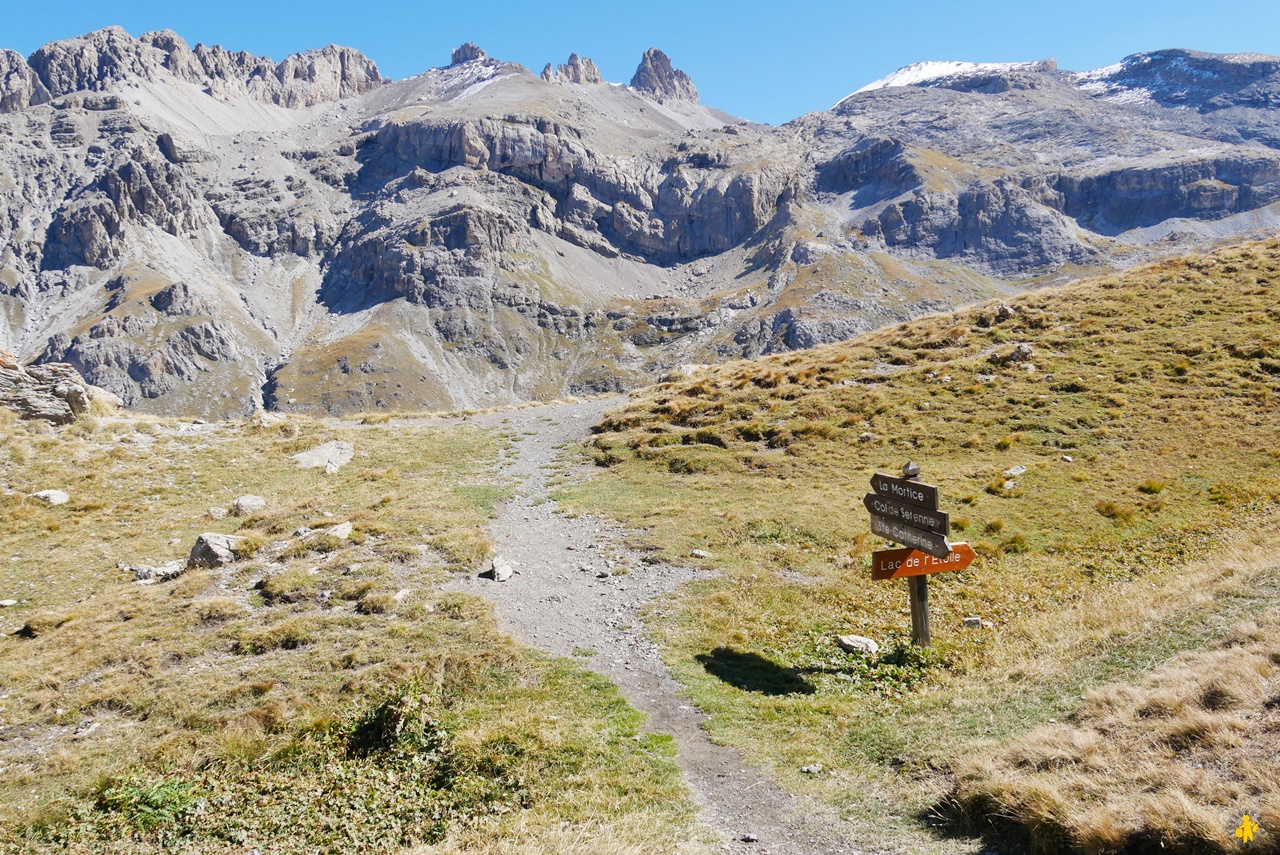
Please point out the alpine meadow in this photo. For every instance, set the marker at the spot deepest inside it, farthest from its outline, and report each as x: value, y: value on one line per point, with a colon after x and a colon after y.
x: 487, y: 461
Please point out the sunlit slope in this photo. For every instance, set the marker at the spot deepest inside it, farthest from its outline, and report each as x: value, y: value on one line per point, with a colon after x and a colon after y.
x: 1143, y: 407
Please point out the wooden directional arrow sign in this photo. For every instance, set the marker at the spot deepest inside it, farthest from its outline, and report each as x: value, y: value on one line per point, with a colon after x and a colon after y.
x: 906, y: 490
x: 912, y: 515
x: 900, y: 563
x: 925, y: 541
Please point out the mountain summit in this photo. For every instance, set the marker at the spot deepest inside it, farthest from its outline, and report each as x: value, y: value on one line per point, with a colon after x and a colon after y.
x: 210, y: 232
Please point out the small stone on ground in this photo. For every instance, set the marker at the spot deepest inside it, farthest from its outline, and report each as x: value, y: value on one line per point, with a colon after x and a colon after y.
x: 857, y: 644
x: 246, y: 505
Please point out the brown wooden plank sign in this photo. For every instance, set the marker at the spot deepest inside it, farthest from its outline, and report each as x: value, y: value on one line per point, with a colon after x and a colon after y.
x: 905, y: 511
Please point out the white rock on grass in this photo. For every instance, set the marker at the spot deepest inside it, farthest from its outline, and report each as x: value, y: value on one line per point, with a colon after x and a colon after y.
x: 4, y: 604
x: 857, y: 644
x: 52, y: 497
x: 700, y: 554
x: 341, y: 531
x: 246, y: 505
x: 213, y: 550
x: 331, y: 456
x: 1015, y: 471
x: 217, y: 513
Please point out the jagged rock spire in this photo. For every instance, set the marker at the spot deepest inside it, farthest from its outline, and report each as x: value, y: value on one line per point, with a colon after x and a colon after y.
x: 467, y: 52
x: 576, y: 70
x: 658, y: 80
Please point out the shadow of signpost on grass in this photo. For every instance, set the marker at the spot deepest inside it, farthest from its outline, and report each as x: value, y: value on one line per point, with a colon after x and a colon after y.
x: 751, y: 672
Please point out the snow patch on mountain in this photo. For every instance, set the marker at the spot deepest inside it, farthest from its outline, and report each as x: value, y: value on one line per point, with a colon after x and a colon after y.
x: 928, y: 72
x: 1174, y: 77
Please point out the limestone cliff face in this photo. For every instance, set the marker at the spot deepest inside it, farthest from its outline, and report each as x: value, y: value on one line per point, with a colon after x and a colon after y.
x: 99, y: 60
x: 668, y: 211
x: 209, y: 232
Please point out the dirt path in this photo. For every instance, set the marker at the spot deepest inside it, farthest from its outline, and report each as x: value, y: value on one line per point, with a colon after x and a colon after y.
x: 577, y: 592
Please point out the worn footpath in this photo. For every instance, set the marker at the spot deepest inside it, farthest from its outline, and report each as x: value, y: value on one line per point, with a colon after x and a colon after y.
x: 577, y: 589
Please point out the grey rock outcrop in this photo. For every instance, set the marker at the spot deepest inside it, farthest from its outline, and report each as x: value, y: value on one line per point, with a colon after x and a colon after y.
x: 656, y: 78
x: 1190, y: 78
x: 91, y: 62
x: 53, y: 392
x: 52, y: 497
x: 135, y: 360
x: 577, y: 70
x: 467, y: 53
x: 19, y: 86
x: 98, y: 60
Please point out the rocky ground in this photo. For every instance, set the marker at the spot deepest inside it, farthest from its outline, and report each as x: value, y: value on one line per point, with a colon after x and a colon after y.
x: 577, y: 589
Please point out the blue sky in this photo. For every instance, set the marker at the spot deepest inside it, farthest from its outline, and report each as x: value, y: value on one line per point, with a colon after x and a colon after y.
x: 766, y: 61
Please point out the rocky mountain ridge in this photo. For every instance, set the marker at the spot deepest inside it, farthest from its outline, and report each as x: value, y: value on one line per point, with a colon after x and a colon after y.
x: 207, y: 232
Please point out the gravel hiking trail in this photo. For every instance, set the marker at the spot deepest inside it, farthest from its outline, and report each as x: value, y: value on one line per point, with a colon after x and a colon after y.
x: 577, y: 591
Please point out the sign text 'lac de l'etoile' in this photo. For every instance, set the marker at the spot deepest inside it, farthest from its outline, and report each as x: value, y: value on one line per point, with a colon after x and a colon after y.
x: 905, y: 510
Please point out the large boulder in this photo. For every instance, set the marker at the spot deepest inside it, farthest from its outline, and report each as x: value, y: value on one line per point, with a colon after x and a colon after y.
x: 213, y: 550
x: 54, y: 392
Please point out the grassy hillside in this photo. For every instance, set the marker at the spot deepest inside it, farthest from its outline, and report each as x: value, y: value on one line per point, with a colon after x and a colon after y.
x: 318, y: 695
x: 1145, y: 413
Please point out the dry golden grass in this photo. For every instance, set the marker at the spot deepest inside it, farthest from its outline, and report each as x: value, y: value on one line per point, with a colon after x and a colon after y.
x: 224, y: 709
x: 1172, y: 763
x: 1148, y: 432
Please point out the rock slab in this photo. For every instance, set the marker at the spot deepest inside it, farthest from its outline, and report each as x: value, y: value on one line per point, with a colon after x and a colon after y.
x: 331, y: 456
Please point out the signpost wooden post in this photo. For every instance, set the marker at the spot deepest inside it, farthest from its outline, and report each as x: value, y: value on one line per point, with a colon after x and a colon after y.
x: 905, y: 511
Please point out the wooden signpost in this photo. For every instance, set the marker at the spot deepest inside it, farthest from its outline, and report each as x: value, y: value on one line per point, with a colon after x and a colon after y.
x: 905, y: 511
